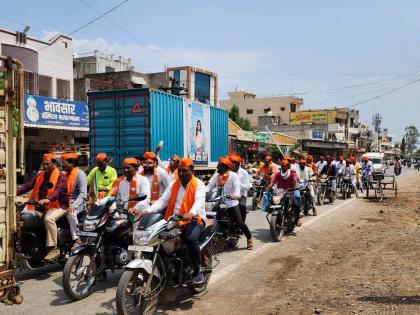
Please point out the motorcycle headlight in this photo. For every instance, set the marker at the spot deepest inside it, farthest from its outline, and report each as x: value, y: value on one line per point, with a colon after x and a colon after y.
x: 90, y: 225
x: 141, y: 237
x: 210, y: 206
x: 276, y: 200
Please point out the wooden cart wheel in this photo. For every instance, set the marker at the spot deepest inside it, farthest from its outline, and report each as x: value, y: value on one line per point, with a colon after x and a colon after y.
x: 379, y: 193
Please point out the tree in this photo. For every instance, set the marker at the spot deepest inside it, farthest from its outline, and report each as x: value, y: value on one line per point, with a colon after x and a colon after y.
x: 403, y: 146
x: 411, y: 139
x: 244, y: 123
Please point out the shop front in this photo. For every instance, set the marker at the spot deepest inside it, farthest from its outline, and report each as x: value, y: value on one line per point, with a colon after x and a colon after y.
x: 54, y: 125
x: 318, y: 148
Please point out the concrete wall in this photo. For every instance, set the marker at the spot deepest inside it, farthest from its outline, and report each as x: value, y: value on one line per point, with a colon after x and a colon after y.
x: 54, y: 58
x: 279, y: 106
x: 97, y: 63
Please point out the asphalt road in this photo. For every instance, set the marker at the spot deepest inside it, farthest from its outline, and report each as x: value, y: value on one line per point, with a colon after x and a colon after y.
x: 43, y: 294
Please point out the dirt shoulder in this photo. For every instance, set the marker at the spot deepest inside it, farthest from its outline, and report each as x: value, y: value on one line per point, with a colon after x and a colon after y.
x: 361, y: 259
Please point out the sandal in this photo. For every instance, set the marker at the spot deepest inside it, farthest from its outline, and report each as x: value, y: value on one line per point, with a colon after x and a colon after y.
x: 249, y: 244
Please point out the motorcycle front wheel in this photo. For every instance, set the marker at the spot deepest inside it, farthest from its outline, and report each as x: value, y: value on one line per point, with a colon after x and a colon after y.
x: 79, y: 276
x: 277, y: 227
x: 128, y: 297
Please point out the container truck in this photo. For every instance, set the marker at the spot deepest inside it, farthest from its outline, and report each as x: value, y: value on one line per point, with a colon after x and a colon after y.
x: 127, y: 123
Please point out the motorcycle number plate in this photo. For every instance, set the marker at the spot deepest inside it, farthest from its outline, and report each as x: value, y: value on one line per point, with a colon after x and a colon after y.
x: 90, y: 234
x: 137, y: 248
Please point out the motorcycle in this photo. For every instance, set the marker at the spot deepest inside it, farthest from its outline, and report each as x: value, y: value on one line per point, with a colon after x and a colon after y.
x: 281, y: 216
x: 305, y: 194
x: 417, y: 165
x: 228, y: 231
x: 397, y: 169
x: 108, y: 236
x: 409, y: 164
x: 346, y: 187
x: 259, y: 185
x: 30, y: 237
x: 325, y: 190
x: 162, y: 261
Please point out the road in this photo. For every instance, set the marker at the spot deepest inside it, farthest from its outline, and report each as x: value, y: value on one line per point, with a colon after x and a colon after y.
x: 43, y: 293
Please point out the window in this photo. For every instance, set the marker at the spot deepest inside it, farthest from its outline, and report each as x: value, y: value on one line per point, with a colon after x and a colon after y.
x: 282, y: 109
x: 65, y: 44
x: 266, y: 110
x: 292, y: 107
x: 63, y: 89
x: 29, y: 79
x: 45, y: 86
x: 202, y: 87
x: 109, y: 69
x: 249, y: 111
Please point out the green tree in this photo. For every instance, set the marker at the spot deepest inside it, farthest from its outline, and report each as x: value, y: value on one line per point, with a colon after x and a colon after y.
x: 244, y: 123
x: 403, y: 146
x: 411, y: 139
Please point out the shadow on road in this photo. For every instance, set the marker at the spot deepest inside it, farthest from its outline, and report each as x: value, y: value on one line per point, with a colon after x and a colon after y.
x: 414, y: 300
x: 263, y: 235
x: 38, y: 274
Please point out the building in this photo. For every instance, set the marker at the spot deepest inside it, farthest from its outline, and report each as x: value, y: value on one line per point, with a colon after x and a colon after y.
x: 99, y: 63
x: 189, y: 82
x: 52, y: 119
x: 258, y: 109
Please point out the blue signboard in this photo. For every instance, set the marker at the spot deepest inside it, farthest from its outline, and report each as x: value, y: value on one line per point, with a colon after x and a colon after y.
x: 51, y: 112
x: 317, y: 135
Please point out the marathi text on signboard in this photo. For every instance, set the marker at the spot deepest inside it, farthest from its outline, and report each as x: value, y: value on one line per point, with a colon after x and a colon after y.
x: 314, y: 117
x: 50, y: 112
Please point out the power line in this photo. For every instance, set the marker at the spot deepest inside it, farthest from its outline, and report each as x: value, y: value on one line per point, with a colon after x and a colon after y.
x: 97, y: 18
x: 129, y: 33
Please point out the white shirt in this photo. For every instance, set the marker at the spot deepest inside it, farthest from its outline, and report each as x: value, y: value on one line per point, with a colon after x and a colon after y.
x: 295, y: 167
x: 305, y: 174
x: 244, y: 181
x: 231, y: 188
x: 320, y: 165
x: 198, y: 207
x: 340, y: 165
x: 163, y: 179
x: 143, y: 188
x: 350, y: 171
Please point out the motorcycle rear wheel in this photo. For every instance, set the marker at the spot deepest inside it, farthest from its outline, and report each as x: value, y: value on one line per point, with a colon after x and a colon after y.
x: 130, y: 283
x: 320, y: 197
x: 77, y: 263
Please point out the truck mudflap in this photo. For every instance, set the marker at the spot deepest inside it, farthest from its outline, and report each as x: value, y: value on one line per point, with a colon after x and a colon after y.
x: 9, y: 290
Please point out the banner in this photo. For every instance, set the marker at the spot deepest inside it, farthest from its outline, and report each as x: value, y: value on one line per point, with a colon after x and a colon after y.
x: 51, y: 112
x: 198, y: 141
x: 314, y: 117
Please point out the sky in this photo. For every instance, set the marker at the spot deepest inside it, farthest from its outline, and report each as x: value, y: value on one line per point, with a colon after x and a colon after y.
x: 358, y: 54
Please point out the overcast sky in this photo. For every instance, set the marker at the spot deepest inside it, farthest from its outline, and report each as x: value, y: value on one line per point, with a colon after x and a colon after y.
x: 331, y: 53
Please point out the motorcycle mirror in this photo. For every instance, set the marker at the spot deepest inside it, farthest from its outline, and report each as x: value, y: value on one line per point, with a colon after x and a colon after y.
x: 138, y: 198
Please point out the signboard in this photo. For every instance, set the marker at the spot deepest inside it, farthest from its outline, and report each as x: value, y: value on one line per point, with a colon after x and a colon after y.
x: 245, y: 135
x: 198, y: 141
x: 51, y: 112
x: 317, y: 135
x: 253, y: 146
x: 324, y: 144
x: 314, y: 117
x: 261, y: 137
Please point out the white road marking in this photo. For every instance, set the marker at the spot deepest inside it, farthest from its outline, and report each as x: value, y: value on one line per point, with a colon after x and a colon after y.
x: 252, y: 254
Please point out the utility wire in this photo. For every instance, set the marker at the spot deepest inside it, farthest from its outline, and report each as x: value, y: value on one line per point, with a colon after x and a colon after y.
x: 97, y: 18
x: 129, y: 33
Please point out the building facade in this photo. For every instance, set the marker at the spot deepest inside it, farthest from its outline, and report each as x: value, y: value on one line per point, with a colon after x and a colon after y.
x: 277, y: 109
x: 48, y: 65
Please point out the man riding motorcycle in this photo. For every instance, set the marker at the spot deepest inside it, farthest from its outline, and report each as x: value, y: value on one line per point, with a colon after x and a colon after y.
x: 331, y: 171
x: 244, y: 181
x: 268, y: 170
x: 158, y: 178
x: 350, y: 171
x: 229, y: 182
x: 186, y: 196
x: 288, y: 179
x: 101, y: 178
x: 77, y: 192
x: 307, y: 174
x: 128, y: 186
x: 49, y: 187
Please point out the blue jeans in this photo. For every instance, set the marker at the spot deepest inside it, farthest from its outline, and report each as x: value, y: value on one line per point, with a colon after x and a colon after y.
x: 191, y: 233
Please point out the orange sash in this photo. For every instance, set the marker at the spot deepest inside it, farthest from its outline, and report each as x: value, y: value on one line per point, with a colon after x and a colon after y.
x: 71, y: 180
x: 132, y: 192
x: 154, y: 187
x: 38, y: 182
x: 222, y: 179
x: 187, y: 200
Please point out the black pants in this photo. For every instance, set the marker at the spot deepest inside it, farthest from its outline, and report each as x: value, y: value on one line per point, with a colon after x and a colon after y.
x: 191, y: 233
x: 236, y: 214
x: 242, y: 207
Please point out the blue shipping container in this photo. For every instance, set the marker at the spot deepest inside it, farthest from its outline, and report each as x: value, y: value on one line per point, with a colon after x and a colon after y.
x: 127, y: 123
